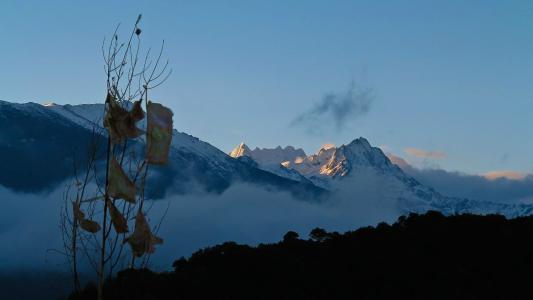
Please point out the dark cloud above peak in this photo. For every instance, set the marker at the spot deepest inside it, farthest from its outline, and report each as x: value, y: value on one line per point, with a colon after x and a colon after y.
x: 336, y: 110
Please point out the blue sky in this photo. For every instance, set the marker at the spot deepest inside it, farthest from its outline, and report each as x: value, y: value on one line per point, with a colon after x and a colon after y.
x: 451, y: 77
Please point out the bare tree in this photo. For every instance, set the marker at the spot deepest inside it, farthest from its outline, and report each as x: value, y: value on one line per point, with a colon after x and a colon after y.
x: 117, y: 199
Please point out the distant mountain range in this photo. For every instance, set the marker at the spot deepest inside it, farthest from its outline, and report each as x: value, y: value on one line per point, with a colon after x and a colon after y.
x: 341, y: 168
x: 41, y: 144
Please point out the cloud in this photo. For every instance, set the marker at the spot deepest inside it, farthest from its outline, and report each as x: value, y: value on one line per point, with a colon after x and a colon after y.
x: 336, y: 109
x: 29, y: 225
x: 400, y: 162
x: 425, y: 154
x: 513, y: 175
x: 505, y: 157
x: 515, y: 187
x: 243, y: 213
x: 249, y: 214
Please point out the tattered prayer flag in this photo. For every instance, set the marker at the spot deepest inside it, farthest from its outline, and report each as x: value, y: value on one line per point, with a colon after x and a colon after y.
x: 120, y: 122
x: 142, y: 240
x: 154, y: 241
x: 120, y: 186
x: 159, y: 133
x: 136, y: 112
x: 79, y: 216
x: 118, y: 220
x: 89, y: 225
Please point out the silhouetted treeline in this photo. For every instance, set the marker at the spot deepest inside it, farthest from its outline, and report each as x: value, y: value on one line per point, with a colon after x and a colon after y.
x: 426, y: 256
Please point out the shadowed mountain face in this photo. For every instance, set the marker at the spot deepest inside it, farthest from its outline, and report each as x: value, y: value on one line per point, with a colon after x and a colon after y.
x: 38, y: 147
x: 41, y: 145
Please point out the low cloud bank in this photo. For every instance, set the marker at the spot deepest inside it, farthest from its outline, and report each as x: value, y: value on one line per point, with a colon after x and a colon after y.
x: 29, y: 225
x: 251, y: 215
x: 456, y: 184
x: 243, y: 213
x: 495, y: 175
x: 498, y: 186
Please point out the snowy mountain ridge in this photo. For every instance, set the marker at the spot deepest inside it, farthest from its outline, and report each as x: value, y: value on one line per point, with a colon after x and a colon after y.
x: 341, y: 169
x: 48, y: 139
x: 271, y: 160
x: 91, y: 115
x: 43, y: 138
x: 327, y: 164
x: 85, y: 115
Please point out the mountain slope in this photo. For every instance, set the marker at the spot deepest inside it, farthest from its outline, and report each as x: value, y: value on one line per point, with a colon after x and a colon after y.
x: 359, y: 158
x: 85, y: 115
x: 268, y: 156
x: 348, y: 168
x: 47, y: 140
x: 271, y: 160
x: 38, y: 147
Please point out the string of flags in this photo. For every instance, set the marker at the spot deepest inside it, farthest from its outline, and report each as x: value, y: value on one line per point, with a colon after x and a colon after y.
x: 122, y: 125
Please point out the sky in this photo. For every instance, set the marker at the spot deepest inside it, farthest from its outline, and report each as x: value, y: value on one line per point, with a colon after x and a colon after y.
x: 449, y: 81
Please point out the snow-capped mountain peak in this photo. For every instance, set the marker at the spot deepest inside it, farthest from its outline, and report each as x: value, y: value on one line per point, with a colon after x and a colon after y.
x: 268, y: 156
x: 49, y: 104
x: 271, y: 159
x: 327, y: 146
x: 86, y: 115
x: 331, y: 162
x: 358, y: 154
x: 241, y: 150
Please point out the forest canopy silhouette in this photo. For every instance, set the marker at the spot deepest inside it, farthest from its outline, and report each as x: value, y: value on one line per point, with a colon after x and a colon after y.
x: 429, y: 256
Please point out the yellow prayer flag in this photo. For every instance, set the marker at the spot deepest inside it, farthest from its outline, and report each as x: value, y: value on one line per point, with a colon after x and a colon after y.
x: 119, y: 222
x: 120, y: 186
x: 159, y: 133
x: 90, y: 226
x: 120, y: 122
x: 79, y: 216
x: 142, y: 240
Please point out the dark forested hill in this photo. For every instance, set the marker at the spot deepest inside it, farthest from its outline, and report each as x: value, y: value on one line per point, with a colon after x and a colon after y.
x: 426, y: 256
